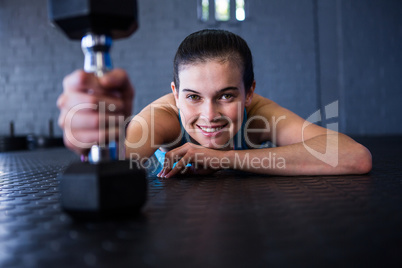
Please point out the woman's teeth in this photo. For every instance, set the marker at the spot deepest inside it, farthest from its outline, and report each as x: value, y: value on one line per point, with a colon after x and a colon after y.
x: 213, y: 129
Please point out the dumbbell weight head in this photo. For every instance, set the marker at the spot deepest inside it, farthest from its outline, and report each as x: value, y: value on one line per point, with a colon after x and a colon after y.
x: 109, y: 189
x: 76, y: 18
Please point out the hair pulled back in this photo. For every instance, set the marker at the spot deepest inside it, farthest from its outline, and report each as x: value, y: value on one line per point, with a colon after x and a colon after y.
x: 213, y: 44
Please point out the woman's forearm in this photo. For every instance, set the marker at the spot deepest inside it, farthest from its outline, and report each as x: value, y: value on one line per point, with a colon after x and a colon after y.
x: 332, y: 154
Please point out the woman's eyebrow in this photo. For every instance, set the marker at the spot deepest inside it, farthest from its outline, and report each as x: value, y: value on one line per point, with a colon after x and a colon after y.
x: 228, y: 88
x: 190, y: 90
x: 220, y: 91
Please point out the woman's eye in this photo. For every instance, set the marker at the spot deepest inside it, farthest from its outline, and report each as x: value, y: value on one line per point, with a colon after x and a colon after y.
x: 226, y: 96
x: 193, y: 97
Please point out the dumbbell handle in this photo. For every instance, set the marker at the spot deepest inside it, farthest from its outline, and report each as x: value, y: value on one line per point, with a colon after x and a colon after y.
x: 96, y: 50
x: 97, y: 61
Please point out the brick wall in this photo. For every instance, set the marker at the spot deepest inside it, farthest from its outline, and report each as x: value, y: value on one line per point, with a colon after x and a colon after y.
x: 307, y: 54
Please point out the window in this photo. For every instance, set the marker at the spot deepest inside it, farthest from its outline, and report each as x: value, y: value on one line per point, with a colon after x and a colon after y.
x: 240, y: 13
x: 204, y: 10
x: 221, y: 10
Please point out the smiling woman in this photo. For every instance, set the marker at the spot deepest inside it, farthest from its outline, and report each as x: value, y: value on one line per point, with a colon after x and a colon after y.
x: 213, y: 120
x: 212, y: 102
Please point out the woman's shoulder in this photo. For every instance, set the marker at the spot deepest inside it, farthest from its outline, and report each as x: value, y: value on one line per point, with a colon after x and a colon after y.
x: 158, y: 119
x: 260, y: 105
x: 164, y: 106
x: 166, y: 99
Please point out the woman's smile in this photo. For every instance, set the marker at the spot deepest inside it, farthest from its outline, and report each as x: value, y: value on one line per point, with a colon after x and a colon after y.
x: 211, y: 130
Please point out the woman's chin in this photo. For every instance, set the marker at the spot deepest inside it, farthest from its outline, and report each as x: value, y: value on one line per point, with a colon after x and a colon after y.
x: 215, y: 144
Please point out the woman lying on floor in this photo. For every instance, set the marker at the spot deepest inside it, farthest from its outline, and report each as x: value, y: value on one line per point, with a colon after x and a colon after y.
x: 212, y: 120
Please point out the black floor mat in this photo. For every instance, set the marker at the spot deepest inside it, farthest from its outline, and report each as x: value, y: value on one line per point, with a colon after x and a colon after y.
x: 229, y: 219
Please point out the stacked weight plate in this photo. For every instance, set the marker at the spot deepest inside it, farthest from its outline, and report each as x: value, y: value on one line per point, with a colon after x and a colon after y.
x: 12, y: 142
x: 8, y: 143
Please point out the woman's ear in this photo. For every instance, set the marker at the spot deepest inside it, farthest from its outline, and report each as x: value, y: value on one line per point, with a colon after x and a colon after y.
x: 249, y: 95
x: 175, y: 92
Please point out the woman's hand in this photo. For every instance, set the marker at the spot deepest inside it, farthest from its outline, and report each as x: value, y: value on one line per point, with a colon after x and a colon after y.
x: 91, y: 108
x: 203, y: 161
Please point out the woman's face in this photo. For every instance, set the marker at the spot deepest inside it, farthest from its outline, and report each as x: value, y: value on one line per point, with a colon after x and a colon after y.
x: 211, y: 100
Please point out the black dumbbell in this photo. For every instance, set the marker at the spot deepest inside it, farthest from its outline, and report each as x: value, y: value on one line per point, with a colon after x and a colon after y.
x: 77, y: 18
x: 12, y: 142
x: 102, y: 188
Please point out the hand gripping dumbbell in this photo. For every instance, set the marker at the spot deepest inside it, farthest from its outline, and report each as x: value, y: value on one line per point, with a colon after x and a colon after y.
x: 103, y: 187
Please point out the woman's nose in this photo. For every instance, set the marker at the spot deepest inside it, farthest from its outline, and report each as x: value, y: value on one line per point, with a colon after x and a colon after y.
x: 210, y: 111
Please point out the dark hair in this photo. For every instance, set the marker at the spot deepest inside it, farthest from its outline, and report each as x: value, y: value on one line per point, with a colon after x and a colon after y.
x: 215, y: 44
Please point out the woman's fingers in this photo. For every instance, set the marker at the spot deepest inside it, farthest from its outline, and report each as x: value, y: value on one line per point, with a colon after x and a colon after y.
x: 203, y: 160
x: 80, y: 81
x: 181, y: 166
x: 183, y: 155
x: 92, y: 109
x: 88, y: 120
x: 171, y: 157
x: 92, y: 102
x: 118, y: 82
x: 81, y: 141
x: 168, y: 169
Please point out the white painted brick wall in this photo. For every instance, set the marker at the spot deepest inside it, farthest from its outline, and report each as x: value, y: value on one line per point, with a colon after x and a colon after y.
x: 34, y: 58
